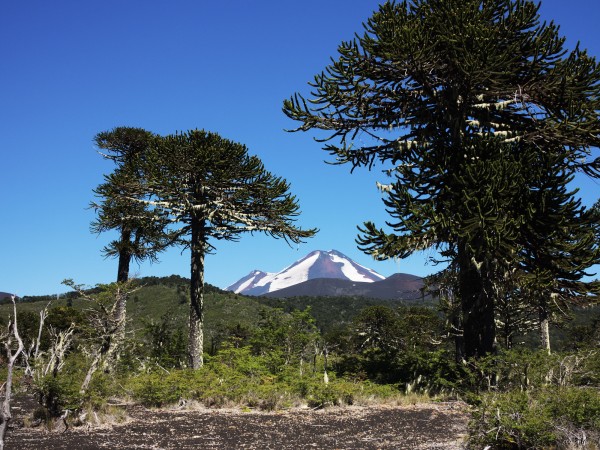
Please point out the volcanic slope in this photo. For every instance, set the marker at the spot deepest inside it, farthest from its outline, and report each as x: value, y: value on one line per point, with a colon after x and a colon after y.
x: 316, y: 265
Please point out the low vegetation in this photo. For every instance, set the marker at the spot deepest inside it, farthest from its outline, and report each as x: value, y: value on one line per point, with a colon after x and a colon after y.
x: 261, y: 356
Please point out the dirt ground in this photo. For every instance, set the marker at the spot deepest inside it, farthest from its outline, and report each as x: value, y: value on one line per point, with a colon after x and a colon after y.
x: 426, y: 426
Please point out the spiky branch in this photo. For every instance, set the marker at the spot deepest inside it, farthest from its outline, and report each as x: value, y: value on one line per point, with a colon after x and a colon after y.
x: 457, y: 99
x: 213, y: 189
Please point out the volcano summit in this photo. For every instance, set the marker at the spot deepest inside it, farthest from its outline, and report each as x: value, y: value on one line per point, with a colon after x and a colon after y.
x: 317, y: 264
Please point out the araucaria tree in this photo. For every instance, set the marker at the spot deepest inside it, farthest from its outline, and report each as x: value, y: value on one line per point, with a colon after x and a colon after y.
x: 215, y: 190
x: 142, y: 230
x: 459, y: 100
x: 142, y: 234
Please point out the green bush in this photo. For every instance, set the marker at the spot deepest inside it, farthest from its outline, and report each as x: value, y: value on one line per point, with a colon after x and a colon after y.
x: 101, y: 387
x: 158, y: 388
x: 549, y: 417
x: 235, y: 377
x: 59, y: 393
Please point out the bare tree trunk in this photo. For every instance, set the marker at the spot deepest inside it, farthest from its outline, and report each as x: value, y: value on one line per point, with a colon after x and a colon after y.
x: 196, y: 323
x: 118, y: 336
x: 93, y: 368
x: 60, y: 343
x: 325, y: 357
x: 43, y: 317
x: 544, y: 328
x: 35, y: 345
x: 5, y: 413
x: 120, y: 314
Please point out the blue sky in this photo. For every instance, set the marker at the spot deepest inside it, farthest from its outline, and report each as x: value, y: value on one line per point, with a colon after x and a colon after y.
x: 71, y: 69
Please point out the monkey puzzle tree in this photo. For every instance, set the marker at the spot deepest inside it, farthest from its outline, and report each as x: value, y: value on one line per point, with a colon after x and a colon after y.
x: 142, y: 233
x: 453, y: 97
x: 142, y: 230
x: 559, y: 244
x: 214, y: 189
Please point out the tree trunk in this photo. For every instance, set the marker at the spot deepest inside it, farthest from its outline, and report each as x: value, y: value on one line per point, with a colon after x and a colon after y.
x: 5, y: 413
x: 124, y: 257
x: 91, y: 371
x: 459, y: 339
x: 123, y: 276
x: 117, y: 338
x: 120, y: 314
x: 477, y: 306
x: 544, y: 328
x: 123, y: 270
x: 196, y: 324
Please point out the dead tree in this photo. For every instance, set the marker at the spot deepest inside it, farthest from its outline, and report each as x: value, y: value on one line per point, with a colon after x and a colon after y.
x: 34, y: 348
x: 108, y: 338
x: 12, y: 333
x: 54, y: 358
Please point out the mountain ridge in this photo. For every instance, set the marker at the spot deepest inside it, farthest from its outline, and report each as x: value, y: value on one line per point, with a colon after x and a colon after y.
x: 399, y: 286
x: 4, y: 295
x: 328, y: 274
x: 330, y: 264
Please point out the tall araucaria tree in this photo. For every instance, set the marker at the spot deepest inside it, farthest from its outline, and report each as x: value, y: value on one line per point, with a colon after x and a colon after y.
x: 142, y: 230
x: 559, y: 244
x: 453, y: 98
x: 142, y: 233
x: 213, y: 189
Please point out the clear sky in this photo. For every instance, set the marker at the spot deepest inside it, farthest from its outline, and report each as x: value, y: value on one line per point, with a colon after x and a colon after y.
x: 71, y: 69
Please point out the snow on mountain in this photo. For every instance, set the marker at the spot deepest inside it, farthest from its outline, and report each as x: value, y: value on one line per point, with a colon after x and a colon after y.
x: 317, y: 264
x: 400, y: 286
x: 249, y: 281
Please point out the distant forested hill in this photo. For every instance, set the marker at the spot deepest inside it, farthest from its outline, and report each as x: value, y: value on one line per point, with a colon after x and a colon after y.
x: 163, y: 302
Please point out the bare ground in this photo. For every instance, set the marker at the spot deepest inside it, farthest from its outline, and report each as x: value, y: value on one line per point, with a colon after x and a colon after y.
x: 424, y: 426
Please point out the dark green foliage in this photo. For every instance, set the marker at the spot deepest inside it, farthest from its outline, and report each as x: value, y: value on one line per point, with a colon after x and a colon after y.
x: 57, y: 393
x: 166, y: 341
x: 285, y: 339
x: 212, y: 189
x: 584, y: 331
x: 232, y: 190
x: 525, y: 399
x: 142, y: 230
x: 333, y: 312
x: 480, y: 114
x: 170, y: 281
x: 47, y: 298
x: 28, y: 327
x: 224, y: 334
x: 177, y: 281
x: 157, y: 389
x: 398, y: 345
x: 60, y: 318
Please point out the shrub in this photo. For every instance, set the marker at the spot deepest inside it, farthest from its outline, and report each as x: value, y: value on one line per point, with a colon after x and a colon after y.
x: 57, y: 394
x: 541, y: 418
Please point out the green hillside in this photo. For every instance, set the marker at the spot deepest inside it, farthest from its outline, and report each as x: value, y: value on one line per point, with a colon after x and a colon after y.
x: 164, y: 300
x: 157, y: 300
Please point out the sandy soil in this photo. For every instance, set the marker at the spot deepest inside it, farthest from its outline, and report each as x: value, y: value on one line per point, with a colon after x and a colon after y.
x: 427, y: 426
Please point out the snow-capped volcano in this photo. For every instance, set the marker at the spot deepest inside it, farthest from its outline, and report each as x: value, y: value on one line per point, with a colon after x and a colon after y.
x: 317, y: 264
